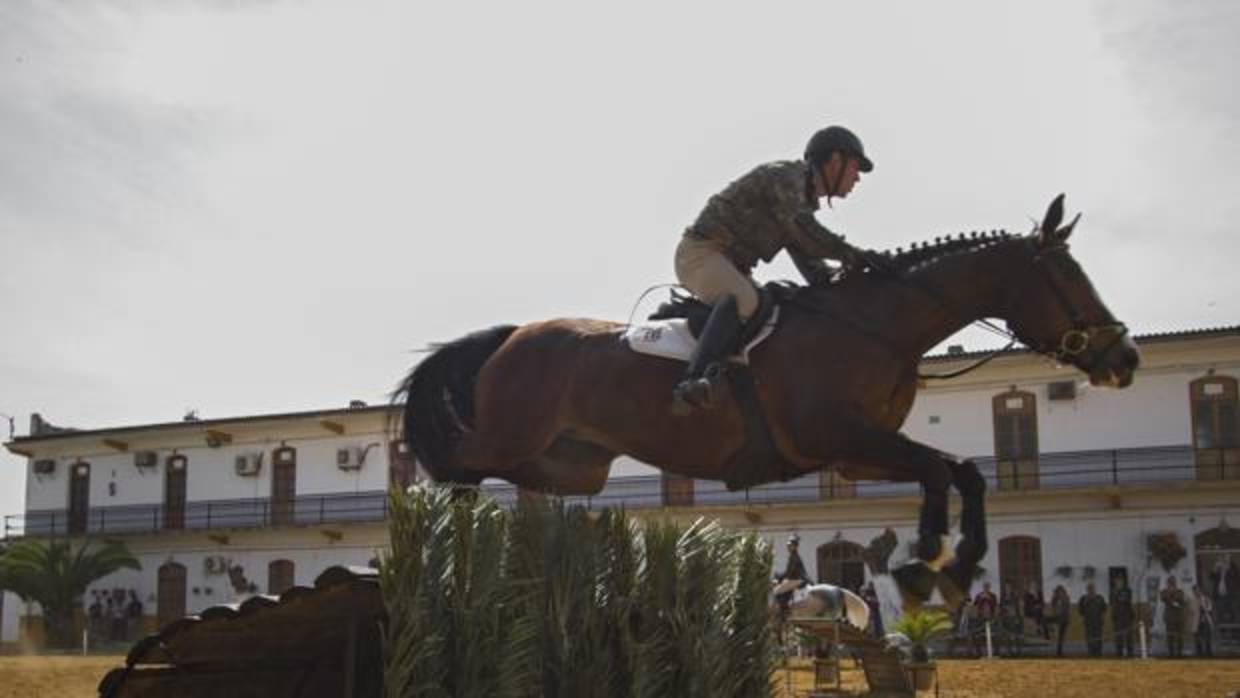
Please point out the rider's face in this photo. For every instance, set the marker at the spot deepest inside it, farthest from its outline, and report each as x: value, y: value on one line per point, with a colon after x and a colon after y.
x: 839, y: 175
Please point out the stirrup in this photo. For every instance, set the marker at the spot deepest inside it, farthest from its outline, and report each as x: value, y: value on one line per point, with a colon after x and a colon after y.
x: 697, y: 393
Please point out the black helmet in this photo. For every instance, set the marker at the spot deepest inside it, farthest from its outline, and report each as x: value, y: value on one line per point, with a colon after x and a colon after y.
x: 831, y: 139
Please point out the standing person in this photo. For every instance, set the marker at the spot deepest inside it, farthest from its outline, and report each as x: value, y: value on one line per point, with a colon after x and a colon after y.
x: 1061, y: 612
x: 987, y: 604
x: 1174, y: 620
x: 133, y: 614
x: 1122, y: 617
x: 770, y: 208
x: 1205, y: 623
x: 1035, y: 609
x: 1093, y: 609
x: 870, y: 595
x: 94, y: 616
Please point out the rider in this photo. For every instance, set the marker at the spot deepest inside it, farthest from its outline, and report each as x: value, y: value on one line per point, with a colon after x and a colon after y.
x: 768, y: 209
x: 795, y: 569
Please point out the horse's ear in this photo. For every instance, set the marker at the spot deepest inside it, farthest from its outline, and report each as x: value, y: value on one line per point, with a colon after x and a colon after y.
x: 1054, y: 216
x: 1062, y: 234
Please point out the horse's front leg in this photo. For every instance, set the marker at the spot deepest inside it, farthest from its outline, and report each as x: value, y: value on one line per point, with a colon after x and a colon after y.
x: 958, y: 574
x: 900, y: 459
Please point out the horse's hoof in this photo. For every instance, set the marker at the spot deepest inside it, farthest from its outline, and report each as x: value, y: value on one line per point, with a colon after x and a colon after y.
x: 916, y: 582
x: 954, y: 583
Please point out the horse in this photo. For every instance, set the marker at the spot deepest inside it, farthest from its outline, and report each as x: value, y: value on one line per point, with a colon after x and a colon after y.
x: 548, y: 405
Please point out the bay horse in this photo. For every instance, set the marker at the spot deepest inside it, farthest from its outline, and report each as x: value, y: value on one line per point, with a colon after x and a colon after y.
x: 548, y: 405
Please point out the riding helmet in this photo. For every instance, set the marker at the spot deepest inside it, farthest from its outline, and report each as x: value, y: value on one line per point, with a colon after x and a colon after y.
x: 831, y: 139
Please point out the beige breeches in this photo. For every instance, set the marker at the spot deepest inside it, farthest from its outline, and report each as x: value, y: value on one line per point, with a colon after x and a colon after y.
x: 702, y: 268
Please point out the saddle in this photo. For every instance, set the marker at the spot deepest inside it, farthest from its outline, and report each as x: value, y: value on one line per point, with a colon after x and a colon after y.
x: 695, y: 312
x: 673, y: 333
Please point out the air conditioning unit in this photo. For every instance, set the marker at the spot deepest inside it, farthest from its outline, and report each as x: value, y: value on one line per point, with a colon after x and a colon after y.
x: 249, y: 464
x: 349, y: 458
x: 44, y: 466
x: 145, y: 459
x: 1061, y: 390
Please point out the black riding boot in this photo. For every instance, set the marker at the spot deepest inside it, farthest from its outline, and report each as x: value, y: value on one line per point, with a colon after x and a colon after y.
x: 706, y: 368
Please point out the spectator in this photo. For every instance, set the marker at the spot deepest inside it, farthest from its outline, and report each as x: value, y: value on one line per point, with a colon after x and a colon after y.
x: 1122, y: 617
x: 1011, y: 627
x: 117, y: 615
x: 1035, y: 609
x: 1174, y: 620
x: 1093, y: 609
x: 1061, y: 612
x: 94, y: 616
x: 986, y: 604
x: 870, y: 595
x: 1205, y: 623
x: 133, y: 614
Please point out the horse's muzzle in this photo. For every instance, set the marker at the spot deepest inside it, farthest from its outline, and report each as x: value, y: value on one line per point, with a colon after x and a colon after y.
x: 1116, y: 368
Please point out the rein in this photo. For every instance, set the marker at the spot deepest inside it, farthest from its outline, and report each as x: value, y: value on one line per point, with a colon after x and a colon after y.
x: 1072, y: 343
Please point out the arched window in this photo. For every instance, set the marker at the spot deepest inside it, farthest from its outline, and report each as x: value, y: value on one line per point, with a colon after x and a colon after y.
x: 1020, y: 563
x: 174, y: 491
x: 1016, y: 439
x: 79, y: 497
x: 170, y: 593
x: 842, y: 563
x: 283, y: 485
x: 279, y: 576
x: 1216, y: 436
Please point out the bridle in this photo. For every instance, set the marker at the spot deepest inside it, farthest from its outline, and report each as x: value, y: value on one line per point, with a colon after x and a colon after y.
x: 1071, y: 345
x: 1075, y: 340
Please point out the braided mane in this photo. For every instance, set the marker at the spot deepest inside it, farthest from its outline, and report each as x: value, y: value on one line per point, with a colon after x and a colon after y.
x: 924, y: 253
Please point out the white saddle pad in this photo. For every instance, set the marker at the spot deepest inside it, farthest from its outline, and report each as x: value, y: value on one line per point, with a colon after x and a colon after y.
x: 671, y: 339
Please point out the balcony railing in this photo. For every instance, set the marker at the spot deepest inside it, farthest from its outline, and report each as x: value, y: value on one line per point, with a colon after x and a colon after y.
x: 1133, y: 466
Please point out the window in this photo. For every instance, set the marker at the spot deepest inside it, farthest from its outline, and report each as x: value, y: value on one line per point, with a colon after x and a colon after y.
x: 842, y: 563
x: 170, y: 593
x: 174, y: 491
x: 283, y: 485
x: 401, y: 469
x: 79, y: 497
x: 1016, y: 439
x: 1215, y: 434
x: 1020, y: 563
x: 677, y: 491
x: 279, y: 576
x: 832, y: 486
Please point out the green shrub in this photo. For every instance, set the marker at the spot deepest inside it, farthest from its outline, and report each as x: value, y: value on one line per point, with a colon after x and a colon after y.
x: 550, y: 600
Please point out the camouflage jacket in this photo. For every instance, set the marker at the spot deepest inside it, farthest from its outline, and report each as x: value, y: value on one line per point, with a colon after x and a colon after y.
x: 768, y: 209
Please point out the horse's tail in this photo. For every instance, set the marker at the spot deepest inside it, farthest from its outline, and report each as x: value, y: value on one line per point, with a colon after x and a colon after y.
x: 439, y: 400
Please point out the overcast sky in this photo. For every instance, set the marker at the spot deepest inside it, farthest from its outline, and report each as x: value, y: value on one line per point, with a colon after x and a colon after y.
x: 242, y: 207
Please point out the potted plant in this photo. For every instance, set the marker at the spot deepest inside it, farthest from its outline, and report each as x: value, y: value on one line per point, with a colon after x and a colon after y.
x: 921, y: 627
x: 1166, y: 548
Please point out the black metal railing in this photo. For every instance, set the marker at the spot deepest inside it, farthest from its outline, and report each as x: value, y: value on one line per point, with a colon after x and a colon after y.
x: 1117, y: 467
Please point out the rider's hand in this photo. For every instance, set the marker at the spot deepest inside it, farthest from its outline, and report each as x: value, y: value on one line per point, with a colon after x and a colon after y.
x: 869, y: 259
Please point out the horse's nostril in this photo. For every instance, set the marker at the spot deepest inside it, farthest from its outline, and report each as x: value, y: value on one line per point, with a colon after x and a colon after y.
x: 1132, y: 359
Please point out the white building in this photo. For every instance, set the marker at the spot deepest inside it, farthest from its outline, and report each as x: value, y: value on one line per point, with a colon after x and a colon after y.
x: 1080, y: 478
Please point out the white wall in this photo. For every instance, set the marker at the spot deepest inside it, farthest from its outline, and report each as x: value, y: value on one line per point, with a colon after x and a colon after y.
x: 11, y: 608
x: 1154, y: 411
x: 211, y: 474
